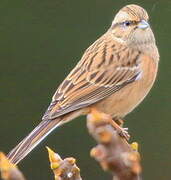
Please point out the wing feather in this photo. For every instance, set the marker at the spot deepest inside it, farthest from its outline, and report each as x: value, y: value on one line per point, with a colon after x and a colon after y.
x: 103, y: 70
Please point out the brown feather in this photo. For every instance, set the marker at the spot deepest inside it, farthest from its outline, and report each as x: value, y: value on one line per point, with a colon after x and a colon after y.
x: 80, y: 88
x: 114, y: 75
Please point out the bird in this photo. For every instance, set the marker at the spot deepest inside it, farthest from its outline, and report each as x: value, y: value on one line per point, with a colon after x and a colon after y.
x: 113, y: 76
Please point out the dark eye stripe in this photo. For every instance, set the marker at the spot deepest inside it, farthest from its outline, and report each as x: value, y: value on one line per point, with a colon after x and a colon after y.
x: 121, y: 23
x: 130, y: 22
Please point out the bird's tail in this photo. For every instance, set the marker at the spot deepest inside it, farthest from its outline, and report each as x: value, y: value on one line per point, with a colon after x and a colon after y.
x: 33, y: 139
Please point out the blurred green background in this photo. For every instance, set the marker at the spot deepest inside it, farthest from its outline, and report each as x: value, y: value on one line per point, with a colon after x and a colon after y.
x: 40, y: 42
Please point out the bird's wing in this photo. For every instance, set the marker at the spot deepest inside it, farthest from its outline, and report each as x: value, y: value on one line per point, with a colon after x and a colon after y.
x: 104, y: 68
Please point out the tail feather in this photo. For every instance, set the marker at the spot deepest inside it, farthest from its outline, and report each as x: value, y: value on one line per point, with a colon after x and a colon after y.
x: 33, y: 139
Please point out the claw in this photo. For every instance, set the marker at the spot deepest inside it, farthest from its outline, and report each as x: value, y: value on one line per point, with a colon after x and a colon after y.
x: 124, y: 133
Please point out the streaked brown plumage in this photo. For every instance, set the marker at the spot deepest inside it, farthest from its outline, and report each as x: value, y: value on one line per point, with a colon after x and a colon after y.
x: 114, y: 75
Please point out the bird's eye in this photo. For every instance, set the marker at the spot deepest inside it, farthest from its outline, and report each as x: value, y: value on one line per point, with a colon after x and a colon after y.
x: 127, y: 23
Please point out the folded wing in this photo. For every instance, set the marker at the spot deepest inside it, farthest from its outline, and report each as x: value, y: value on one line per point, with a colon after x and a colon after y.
x: 103, y: 70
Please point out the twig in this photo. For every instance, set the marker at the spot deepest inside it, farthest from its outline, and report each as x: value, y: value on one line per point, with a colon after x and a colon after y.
x: 8, y: 170
x: 113, y: 152
x: 63, y: 169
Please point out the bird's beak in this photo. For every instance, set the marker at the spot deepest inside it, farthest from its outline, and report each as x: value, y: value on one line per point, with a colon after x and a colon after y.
x: 143, y: 24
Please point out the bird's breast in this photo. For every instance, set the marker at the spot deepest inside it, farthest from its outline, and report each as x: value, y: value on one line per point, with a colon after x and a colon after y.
x: 126, y: 99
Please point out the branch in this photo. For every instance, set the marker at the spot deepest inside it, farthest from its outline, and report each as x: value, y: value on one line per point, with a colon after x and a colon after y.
x: 8, y: 170
x: 113, y: 152
x: 63, y: 169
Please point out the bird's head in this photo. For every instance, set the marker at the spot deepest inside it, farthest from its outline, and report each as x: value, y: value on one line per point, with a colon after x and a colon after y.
x: 131, y: 26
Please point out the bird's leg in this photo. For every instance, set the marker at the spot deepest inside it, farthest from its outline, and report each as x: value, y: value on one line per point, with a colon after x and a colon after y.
x: 118, y: 127
x: 119, y: 121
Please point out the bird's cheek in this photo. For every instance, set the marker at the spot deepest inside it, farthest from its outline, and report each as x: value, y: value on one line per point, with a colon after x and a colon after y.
x: 119, y: 33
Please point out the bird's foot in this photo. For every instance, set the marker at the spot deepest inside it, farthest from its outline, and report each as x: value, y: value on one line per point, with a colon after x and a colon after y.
x: 123, y: 132
x: 116, y: 124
